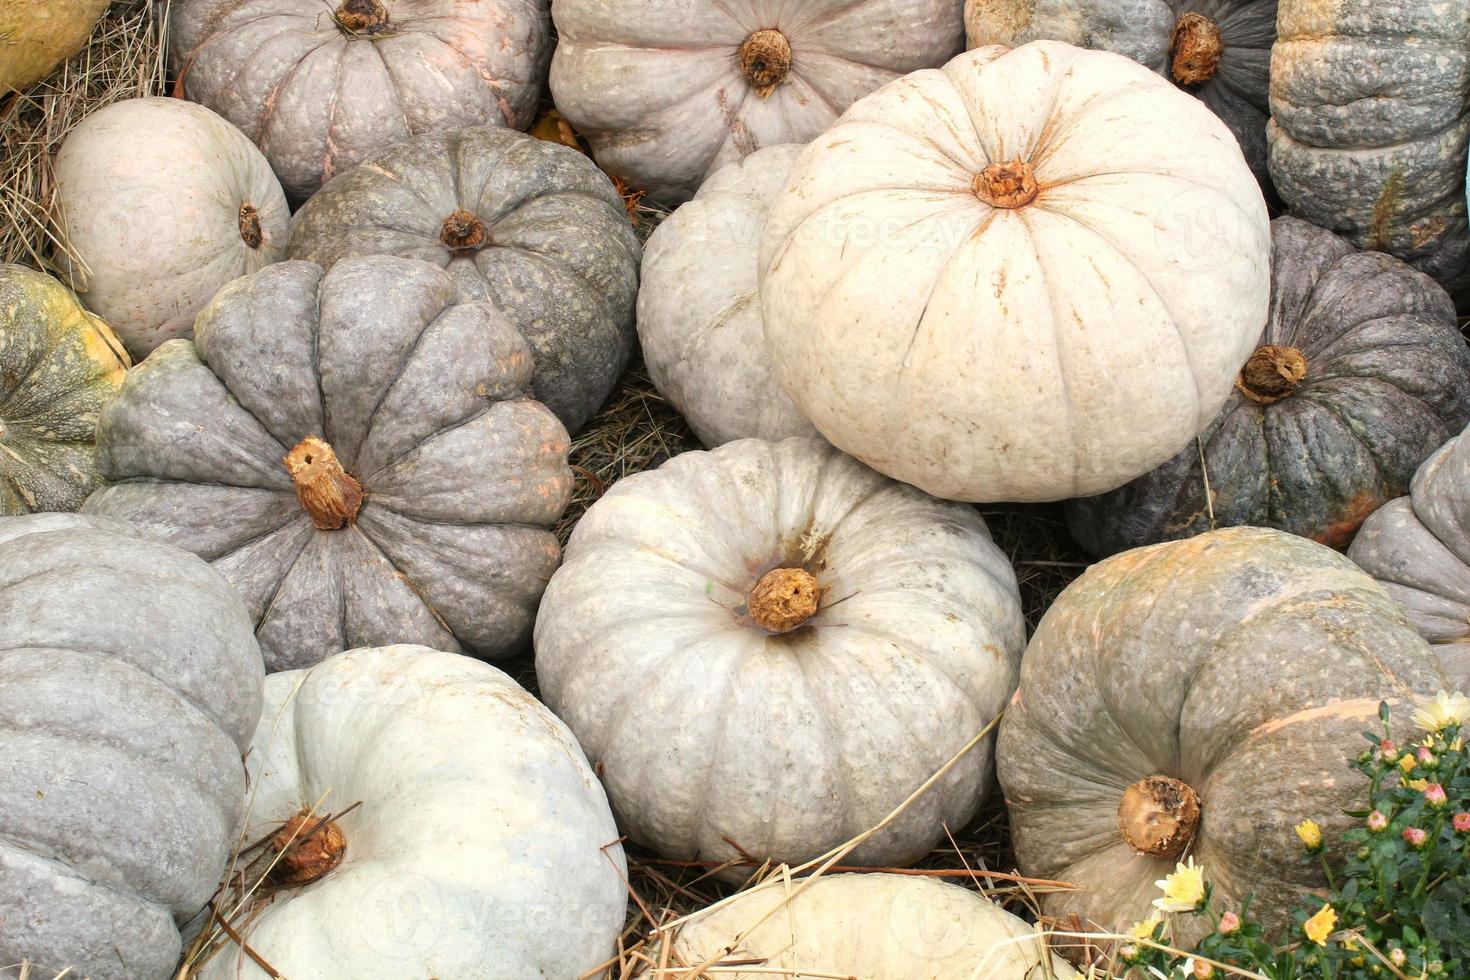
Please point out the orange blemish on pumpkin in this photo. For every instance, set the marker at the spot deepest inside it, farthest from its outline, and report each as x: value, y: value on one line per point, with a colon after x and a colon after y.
x: 1339, y: 534
x: 1356, y: 708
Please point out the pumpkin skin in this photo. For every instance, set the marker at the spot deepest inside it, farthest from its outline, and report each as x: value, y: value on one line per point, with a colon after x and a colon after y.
x: 699, y: 308
x: 531, y: 227
x: 787, y: 731
x: 1387, y: 381
x: 969, y: 315
x: 58, y: 365
x: 38, y: 35
x: 668, y: 92
x: 163, y: 203
x: 1238, y: 667
x: 484, y: 846
x: 129, y: 686
x: 321, y: 86
x: 1370, y: 123
x: 437, y: 531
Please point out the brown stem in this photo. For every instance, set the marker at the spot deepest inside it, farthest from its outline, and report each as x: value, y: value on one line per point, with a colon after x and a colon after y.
x: 1159, y: 815
x: 250, y: 231
x: 310, y: 847
x: 1197, y: 49
x: 1272, y: 373
x: 328, y: 493
x: 463, y: 231
x: 765, y: 58
x: 1009, y: 184
x: 784, y: 598
x: 362, y: 16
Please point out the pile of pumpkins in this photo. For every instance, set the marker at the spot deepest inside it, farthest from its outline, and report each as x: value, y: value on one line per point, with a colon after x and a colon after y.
x: 283, y: 443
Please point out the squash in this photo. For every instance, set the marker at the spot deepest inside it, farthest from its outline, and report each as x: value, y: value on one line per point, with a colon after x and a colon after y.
x: 972, y: 312
x: 58, y: 365
x: 875, y: 926
x: 355, y: 452
x: 699, y: 308
x: 1370, y: 122
x: 1217, y: 50
x: 1200, y: 696
x: 319, y: 85
x: 38, y: 35
x: 483, y: 845
x: 162, y: 203
x: 1360, y: 375
x: 815, y: 641
x: 530, y: 226
x: 669, y: 92
x: 129, y: 686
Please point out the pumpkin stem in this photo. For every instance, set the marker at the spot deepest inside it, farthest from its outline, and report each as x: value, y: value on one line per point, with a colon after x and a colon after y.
x: 328, y: 493
x: 362, y: 16
x: 250, y: 231
x: 784, y: 598
x: 310, y: 847
x: 765, y: 58
x: 1010, y: 184
x: 1197, y: 49
x: 463, y: 231
x: 1159, y: 815
x: 1272, y: 373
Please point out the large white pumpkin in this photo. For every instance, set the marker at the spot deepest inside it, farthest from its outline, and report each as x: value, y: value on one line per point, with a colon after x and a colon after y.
x: 1030, y: 275
x: 773, y: 645
x: 699, y: 308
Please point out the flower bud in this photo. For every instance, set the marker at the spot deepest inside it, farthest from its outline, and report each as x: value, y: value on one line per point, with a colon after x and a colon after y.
x: 1377, y: 821
x: 1434, y: 795
x: 1229, y: 923
x: 1461, y: 823
x: 1415, y: 837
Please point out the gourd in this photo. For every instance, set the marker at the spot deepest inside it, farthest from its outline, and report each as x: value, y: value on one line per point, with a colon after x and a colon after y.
x: 1201, y: 697
x: 669, y: 93
x: 319, y: 85
x: 699, y: 308
x: 58, y: 365
x: 478, y: 844
x: 876, y: 926
x: 1360, y: 375
x: 129, y: 687
x: 356, y: 454
x: 1369, y: 126
x: 530, y: 226
x: 970, y: 312
x: 815, y: 640
x: 1217, y: 51
x: 38, y: 35
x: 162, y: 203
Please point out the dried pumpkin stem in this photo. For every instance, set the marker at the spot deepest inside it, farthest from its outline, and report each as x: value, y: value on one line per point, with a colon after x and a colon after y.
x: 250, y: 232
x: 765, y: 58
x: 784, y: 598
x: 1272, y: 373
x: 463, y: 231
x: 310, y: 848
x: 1197, y: 49
x: 1159, y: 815
x: 328, y: 493
x: 1010, y: 184
x: 362, y: 16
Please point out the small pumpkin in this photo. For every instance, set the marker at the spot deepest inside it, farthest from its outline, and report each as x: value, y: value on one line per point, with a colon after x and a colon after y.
x: 529, y: 226
x: 355, y: 452
x: 1360, y: 375
x: 38, y: 35
x: 1200, y: 697
x: 1024, y: 307
x: 699, y: 308
x: 58, y: 365
x: 667, y: 95
x: 815, y: 640
x: 478, y: 842
x: 129, y: 686
x: 162, y: 203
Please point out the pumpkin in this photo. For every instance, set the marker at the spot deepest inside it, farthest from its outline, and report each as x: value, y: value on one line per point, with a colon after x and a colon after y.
x: 1360, y: 375
x: 480, y: 843
x: 58, y: 365
x: 355, y: 452
x: 530, y: 226
x: 815, y: 641
x: 1200, y: 696
x: 319, y: 85
x: 972, y: 312
x: 1370, y: 122
x: 1217, y: 50
x: 129, y: 686
x: 162, y: 203
x: 38, y: 35
x: 876, y: 926
x: 699, y: 308
x: 668, y: 93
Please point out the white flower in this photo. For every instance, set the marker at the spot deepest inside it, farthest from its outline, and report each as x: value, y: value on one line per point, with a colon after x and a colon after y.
x: 1443, y: 711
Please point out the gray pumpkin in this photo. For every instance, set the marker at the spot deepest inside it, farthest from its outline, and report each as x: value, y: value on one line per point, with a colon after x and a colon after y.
x: 129, y: 688
x: 1360, y: 375
x: 530, y: 226
x: 355, y: 452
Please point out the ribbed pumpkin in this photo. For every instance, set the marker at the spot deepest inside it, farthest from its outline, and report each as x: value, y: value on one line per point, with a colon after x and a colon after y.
x: 38, y: 35
x: 1200, y: 697
x: 58, y: 365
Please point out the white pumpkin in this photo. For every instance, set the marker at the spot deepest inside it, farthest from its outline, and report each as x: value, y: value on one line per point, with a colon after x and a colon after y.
x: 482, y: 846
x: 699, y: 309
x: 162, y: 202
x: 874, y: 926
x: 771, y: 644
x: 1030, y: 275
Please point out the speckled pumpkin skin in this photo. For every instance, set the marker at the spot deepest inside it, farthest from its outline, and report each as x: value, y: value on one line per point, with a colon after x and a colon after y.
x: 560, y: 258
x: 1244, y: 662
x: 423, y: 402
x: 38, y: 35
x: 1388, y: 381
x: 129, y: 688
x: 58, y: 365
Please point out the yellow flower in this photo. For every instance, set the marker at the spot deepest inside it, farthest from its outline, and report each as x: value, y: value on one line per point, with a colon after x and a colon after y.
x: 1407, y: 761
x: 1443, y: 711
x: 1418, y: 785
x: 1310, y: 834
x: 1320, y: 926
x: 1184, y: 889
x: 1144, y: 928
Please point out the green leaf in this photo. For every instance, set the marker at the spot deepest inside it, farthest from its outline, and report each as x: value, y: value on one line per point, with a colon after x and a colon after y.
x: 1447, y: 916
